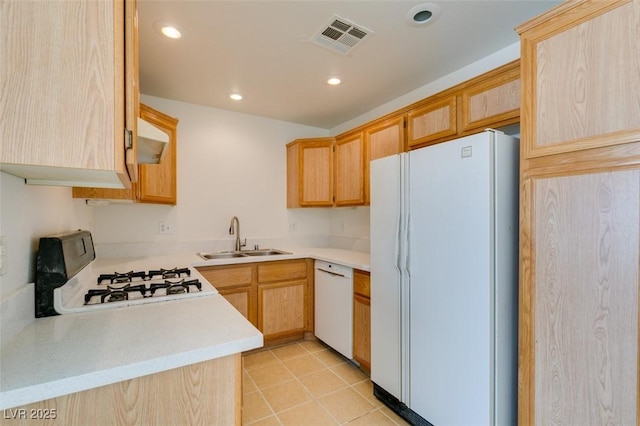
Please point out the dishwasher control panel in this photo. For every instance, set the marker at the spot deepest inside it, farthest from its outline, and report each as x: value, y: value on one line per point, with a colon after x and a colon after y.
x: 334, y: 268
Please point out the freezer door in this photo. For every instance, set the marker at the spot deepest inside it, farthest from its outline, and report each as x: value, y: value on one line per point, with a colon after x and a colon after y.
x: 385, y: 219
x: 450, y: 263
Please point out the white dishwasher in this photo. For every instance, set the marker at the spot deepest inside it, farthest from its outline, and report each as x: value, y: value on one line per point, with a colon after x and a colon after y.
x: 334, y: 306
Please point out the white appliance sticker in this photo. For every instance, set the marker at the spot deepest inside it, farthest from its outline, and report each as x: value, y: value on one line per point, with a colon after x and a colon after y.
x: 465, y: 151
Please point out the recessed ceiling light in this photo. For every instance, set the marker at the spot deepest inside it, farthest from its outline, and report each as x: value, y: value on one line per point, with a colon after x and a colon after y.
x: 334, y: 81
x: 236, y: 96
x: 422, y: 14
x: 171, y: 32
x: 168, y: 30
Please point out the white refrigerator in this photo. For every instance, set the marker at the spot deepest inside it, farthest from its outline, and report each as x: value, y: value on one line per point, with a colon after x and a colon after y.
x: 444, y: 280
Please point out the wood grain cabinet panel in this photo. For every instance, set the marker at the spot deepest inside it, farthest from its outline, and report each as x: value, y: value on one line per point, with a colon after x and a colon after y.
x: 585, y: 78
x: 310, y: 173
x: 386, y: 138
x: 580, y: 216
x: 349, y: 170
x: 225, y: 276
x: 281, y: 310
x: 496, y: 100
x: 240, y: 299
x: 273, y: 295
x: 282, y: 271
x: 209, y: 392
x: 362, y: 319
x: 64, y: 114
x: 586, y: 267
x: 237, y: 284
x: 436, y: 120
x: 382, y: 140
x: 157, y: 183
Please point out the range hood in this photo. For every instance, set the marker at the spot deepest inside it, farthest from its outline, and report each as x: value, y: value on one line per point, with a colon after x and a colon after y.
x: 152, y: 143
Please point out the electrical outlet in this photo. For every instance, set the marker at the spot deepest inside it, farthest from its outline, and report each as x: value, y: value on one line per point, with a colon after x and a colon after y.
x: 165, y: 228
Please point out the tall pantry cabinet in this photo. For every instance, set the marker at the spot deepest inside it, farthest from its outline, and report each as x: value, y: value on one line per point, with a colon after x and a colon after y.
x: 580, y: 215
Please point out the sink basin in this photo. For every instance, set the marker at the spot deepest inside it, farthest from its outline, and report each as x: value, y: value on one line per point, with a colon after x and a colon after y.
x: 244, y: 253
x: 227, y: 255
x: 265, y: 252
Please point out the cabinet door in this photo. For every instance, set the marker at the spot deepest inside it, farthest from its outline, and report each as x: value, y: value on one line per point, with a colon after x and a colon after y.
x: 281, y: 310
x: 585, y: 79
x: 64, y: 112
x: 382, y: 140
x: 310, y: 173
x: 132, y: 86
x: 432, y: 122
x: 241, y: 299
x: 362, y: 318
x: 385, y: 139
x: 579, y: 299
x: 580, y: 216
x: 236, y: 284
x: 362, y: 331
x: 494, y: 102
x: 349, y: 171
x: 158, y: 181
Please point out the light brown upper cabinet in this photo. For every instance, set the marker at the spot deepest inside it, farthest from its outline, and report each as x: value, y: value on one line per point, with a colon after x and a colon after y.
x: 491, y: 100
x: 382, y: 140
x: 434, y: 120
x: 64, y: 114
x: 580, y: 216
x: 310, y: 173
x: 349, y: 170
x: 157, y: 183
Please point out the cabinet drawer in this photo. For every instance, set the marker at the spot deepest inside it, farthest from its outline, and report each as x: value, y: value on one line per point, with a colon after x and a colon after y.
x: 282, y: 271
x: 362, y: 283
x: 227, y: 276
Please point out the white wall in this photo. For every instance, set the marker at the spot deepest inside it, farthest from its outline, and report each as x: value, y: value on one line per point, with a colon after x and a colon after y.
x: 28, y: 212
x: 229, y: 164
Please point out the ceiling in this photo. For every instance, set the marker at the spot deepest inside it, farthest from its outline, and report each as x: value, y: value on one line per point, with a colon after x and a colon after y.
x: 264, y: 50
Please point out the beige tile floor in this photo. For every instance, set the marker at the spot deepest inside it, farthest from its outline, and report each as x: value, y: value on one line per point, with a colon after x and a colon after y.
x: 306, y: 383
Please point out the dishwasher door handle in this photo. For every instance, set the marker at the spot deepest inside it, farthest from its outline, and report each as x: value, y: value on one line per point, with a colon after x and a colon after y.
x: 331, y: 272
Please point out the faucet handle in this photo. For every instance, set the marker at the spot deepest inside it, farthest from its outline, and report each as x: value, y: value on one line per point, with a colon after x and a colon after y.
x: 243, y: 244
x: 256, y: 247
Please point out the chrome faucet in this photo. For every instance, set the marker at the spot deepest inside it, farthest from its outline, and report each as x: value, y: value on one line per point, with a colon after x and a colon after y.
x: 236, y: 221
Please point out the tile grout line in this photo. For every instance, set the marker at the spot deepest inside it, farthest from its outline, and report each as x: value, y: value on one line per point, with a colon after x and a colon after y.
x: 315, y: 399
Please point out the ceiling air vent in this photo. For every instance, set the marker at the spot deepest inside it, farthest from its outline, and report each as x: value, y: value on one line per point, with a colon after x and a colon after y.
x: 341, y: 35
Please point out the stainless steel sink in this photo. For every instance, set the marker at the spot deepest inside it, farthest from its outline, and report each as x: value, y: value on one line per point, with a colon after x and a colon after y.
x: 265, y: 252
x: 243, y: 253
x: 226, y: 255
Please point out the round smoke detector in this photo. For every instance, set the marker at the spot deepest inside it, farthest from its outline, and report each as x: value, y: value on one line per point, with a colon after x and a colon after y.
x: 423, y: 14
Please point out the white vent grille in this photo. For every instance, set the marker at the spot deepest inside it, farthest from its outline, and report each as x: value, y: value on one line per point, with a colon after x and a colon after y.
x: 341, y: 35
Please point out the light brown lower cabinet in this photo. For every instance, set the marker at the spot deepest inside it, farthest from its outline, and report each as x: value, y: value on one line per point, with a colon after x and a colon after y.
x: 206, y: 393
x: 362, y: 319
x: 274, y: 296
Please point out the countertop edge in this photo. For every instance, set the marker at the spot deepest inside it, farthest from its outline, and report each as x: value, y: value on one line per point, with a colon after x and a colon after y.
x: 68, y: 385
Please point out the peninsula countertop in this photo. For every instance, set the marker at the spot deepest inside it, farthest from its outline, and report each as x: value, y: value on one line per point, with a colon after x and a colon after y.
x: 63, y: 354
